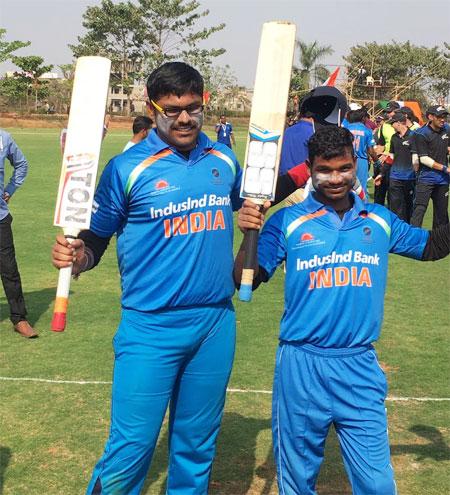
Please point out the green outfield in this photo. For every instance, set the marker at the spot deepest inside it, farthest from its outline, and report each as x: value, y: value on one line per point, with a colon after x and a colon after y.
x: 52, y: 431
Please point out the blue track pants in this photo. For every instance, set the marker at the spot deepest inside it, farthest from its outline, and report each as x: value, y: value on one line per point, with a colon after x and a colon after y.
x: 182, y: 357
x: 314, y: 388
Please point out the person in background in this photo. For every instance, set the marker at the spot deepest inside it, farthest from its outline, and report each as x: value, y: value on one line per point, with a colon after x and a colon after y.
x: 295, y: 139
x: 224, y: 131
x: 386, y: 131
x: 402, y: 176
x: 141, y: 128
x: 363, y: 143
x: 9, y: 271
x: 431, y: 143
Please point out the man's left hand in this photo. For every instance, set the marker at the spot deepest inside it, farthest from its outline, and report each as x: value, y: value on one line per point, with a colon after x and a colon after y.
x: 251, y: 215
x: 6, y: 196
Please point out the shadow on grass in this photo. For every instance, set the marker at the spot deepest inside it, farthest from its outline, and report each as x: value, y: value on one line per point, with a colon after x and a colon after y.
x: 240, y: 468
x: 37, y: 303
x: 5, y: 456
x: 436, y: 448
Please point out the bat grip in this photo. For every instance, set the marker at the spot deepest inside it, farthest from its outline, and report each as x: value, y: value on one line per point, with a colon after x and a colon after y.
x: 62, y: 295
x: 251, y: 247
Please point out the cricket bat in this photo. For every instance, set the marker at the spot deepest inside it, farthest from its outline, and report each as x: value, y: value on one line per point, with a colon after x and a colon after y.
x: 80, y: 163
x: 267, y: 122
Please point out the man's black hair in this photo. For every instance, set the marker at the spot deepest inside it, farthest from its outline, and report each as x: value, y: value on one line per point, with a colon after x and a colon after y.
x: 140, y: 123
x: 174, y: 78
x: 329, y: 142
x: 356, y: 115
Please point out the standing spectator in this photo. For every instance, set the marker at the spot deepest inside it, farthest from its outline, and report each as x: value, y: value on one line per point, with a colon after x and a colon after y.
x: 224, y: 131
x: 141, y: 128
x: 432, y: 143
x: 385, y: 133
x: 9, y: 271
x: 363, y: 143
x: 402, y: 176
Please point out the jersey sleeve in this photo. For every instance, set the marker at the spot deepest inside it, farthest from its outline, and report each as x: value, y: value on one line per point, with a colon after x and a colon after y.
x: 407, y: 240
x: 110, y: 203
x: 272, y: 244
x: 370, y: 139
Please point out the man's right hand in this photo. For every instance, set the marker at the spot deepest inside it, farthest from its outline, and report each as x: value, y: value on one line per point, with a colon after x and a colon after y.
x: 65, y: 253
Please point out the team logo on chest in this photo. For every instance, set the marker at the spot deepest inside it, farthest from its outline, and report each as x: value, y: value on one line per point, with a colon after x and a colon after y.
x: 162, y: 186
x: 306, y: 240
x: 216, y: 178
x: 367, y: 235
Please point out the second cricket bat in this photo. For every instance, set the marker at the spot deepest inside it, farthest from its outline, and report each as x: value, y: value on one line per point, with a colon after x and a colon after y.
x: 267, y: 122
x: 80, y: 163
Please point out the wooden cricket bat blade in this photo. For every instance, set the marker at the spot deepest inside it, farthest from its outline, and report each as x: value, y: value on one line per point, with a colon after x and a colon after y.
x: 80, y: 163
x: 265, y: 135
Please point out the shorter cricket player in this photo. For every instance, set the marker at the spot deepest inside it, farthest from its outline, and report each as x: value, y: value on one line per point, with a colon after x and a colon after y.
x: 336, y: 249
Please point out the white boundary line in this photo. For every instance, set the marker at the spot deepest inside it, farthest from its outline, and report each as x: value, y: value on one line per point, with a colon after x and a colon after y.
x: 229, y: 390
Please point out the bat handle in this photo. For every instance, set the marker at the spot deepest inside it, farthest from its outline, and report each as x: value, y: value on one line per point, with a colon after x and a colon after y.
x: 62, y: 293
x: 62, y: 299
x: 251, y: 243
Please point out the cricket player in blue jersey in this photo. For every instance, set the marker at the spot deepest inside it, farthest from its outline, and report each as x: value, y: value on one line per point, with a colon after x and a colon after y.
x: 363, y: 144
x: 336, y: 249
x: 170, y: 200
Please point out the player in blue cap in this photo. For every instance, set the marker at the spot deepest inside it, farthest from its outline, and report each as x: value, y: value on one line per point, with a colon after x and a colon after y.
x: 335, y: 248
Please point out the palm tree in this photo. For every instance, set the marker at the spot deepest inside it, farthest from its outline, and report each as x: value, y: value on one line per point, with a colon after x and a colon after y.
x: 310, y: 54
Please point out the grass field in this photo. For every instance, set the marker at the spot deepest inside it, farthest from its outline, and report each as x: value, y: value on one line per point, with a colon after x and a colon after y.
x: 51, y: 433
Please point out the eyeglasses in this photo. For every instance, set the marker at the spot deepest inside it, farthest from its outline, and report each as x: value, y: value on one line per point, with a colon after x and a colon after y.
x: 175, y: 112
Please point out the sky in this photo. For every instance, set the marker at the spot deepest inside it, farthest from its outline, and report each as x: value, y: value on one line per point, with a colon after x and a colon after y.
x: 51, y: 25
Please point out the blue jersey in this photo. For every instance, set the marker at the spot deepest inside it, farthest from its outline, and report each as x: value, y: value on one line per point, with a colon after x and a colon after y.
x: 295, y: 145
x: 362, y: 140
x: 174, y: 222
x: 224, y: 133
x: 335, y: 269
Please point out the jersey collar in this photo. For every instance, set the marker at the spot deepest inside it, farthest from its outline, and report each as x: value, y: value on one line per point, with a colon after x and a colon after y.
x: 311, y: 204
x: 157, y: 144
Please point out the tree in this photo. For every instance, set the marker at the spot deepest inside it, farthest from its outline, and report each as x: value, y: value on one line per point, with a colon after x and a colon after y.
x: 218, y: 80
x: 13, y: 93
x: 31, y: 70
x: 8, y: 47
x: 172, y: 33
x: 406, y: 71
x: 139, y: 37
x: 309, y: 56
x: 115, y: 31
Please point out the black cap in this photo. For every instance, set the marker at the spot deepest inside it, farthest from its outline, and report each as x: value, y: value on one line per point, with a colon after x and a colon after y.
x: 326, y: 103
x: 437, y: 110
x: 397, y: 117
x: 392, y: 106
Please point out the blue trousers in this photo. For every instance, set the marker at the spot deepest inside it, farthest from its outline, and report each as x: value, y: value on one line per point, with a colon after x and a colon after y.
x: 182, y: 357
x: 314, y: 388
